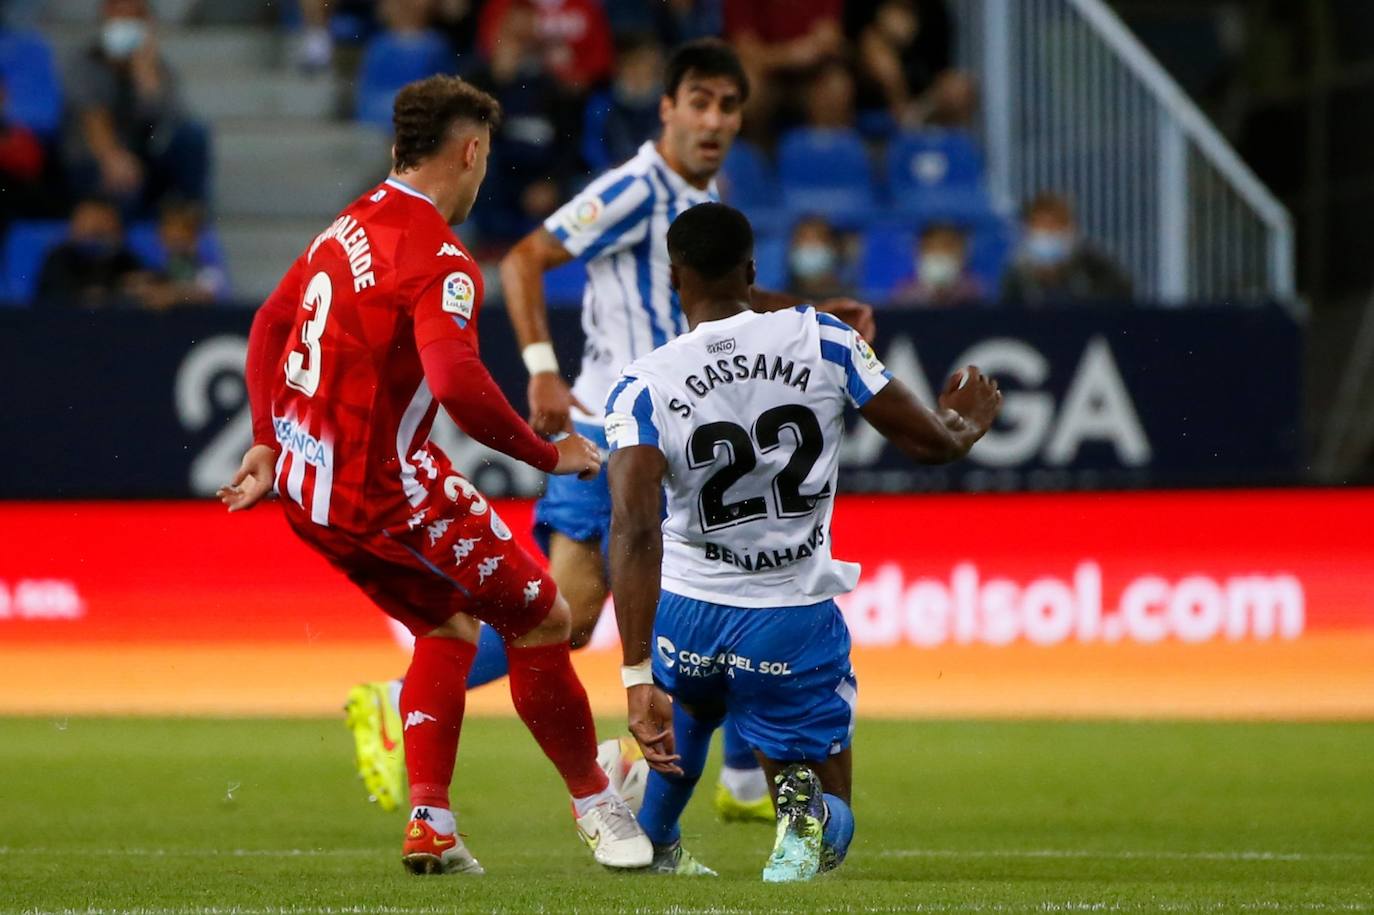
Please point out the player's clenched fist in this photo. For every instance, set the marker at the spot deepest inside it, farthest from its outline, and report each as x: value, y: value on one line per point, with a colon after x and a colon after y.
x: 577, y: 455
x: 253, y: 480
x: 972, y: 395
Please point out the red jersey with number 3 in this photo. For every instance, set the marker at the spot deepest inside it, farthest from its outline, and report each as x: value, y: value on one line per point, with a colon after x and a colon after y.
x: 350, y: 406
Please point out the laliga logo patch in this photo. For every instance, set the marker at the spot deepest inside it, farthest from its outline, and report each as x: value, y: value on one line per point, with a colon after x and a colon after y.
x: 667, y: 651
x: 870, y: 358
x: 585, y: 214
x: 460, y: 294
x: 498, y: 527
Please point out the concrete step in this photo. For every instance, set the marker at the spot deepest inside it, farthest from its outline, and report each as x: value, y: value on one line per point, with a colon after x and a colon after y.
x: 225, y: 52
x: 260, y: 251
x: 259, y: 95
x: 292, y: 169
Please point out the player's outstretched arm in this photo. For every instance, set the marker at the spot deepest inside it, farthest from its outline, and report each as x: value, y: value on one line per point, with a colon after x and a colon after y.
x: 636, y: 481
x: 968, y: 405
x: 856, y: 314
x: 522, y: 282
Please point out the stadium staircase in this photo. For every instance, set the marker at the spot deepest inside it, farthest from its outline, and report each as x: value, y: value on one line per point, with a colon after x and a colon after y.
x: 284, y: 164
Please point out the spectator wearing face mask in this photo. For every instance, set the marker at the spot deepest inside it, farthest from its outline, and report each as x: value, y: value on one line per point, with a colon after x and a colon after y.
x: 127, y: 136
x: 1055, y: 265
x: 619, y: 119
x: 815, y: 261
x: 185, y: 277
x: 942, y: 278
x: 92, y: 268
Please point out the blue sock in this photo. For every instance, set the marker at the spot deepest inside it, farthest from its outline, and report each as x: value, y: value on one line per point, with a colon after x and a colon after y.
x: 490, y: 663
x: 839, y: 828
x: 738, y: 753
x: 665, y: 796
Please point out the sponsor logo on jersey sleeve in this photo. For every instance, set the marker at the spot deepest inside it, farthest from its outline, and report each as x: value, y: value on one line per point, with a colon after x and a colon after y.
x: 460, y: 295
x: 618, y: 425
x: 583, y: 215
x: 449, y: 249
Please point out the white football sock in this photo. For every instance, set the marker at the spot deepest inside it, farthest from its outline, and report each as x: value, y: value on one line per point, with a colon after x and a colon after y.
x: 583, y: 804
x: 439, y: 819
x: 745, y: 785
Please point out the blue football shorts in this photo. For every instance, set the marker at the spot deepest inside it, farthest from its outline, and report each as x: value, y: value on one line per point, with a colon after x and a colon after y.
x: 783, y: 674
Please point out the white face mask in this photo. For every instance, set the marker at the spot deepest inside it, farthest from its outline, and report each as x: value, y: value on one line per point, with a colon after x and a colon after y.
x: 121, y: 37
x: 939, y: 269
x: 811, y: 260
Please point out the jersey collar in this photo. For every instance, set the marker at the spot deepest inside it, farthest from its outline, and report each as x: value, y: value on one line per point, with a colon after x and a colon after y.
x: 725, y: 323
x: 676, y: 183
x: 404, y: 188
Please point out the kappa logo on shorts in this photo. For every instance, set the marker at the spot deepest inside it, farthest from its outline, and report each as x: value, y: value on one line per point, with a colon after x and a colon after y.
x: 463, y: 548
x: 532, y: 591
x: 486, y: 567
x: 417, y: 519
x: 417, y: 718
x: 437, y: 530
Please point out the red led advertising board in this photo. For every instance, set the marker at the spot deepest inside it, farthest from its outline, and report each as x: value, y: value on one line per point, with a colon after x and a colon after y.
x: 962, y: 598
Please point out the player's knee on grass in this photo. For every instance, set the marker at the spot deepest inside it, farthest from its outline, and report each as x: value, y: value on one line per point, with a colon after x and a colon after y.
x: 552, y: 629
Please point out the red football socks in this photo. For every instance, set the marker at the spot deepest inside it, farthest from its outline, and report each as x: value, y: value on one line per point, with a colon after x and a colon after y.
x: 432, y: 701
x: 551, y: 701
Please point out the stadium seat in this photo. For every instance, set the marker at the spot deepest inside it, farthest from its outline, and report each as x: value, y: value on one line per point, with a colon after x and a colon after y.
x: 937, y: 174
x: 33, y: 89
x: 563, y: 286
x: 747, y: 182
x: 26, y: 247
x: 389, y: 62
x: 770, y: 259
x: 825, y: 171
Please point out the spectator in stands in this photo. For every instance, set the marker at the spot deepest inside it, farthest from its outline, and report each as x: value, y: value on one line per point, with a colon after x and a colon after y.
x: 830, y: 97
x: 315, y: 46
x: 186, y: 277
x: 779, y: 42
x: 942, y: 278
x: 574, y: 35
x: 1055, y: 265
x: 92, y: 268
x: 21, y: 170
x: 617, y: 120
x: 529, y: 163
x: 128, y: 137
x: 904, y: 55
x: 816, y: 261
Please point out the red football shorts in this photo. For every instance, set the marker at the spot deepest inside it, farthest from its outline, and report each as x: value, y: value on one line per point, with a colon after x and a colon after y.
x: 455, y: 556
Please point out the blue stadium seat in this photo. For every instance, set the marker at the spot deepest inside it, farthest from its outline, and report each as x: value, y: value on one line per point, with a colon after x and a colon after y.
x: 563, y: 285
x: 747, y: 182
x: 389, y: 62
x: 26, y: 247
x: 33, y: 89
x: 770, y: 259
x: 938, y: 174
x: 825, y: 171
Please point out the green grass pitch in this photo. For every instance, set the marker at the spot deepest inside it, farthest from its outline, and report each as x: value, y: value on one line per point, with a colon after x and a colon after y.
x: 244, y: 816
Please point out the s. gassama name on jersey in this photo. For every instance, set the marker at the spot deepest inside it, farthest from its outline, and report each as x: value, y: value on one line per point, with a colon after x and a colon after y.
x: 767, y: 559
x: 742, y: 368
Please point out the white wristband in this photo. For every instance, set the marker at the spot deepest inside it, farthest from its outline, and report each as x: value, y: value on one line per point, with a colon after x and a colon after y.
x: 539, y: 357
x: 641, y: 674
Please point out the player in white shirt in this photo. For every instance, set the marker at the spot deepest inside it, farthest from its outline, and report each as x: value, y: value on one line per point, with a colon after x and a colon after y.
x: 616, y: 226
x: 724, y: 458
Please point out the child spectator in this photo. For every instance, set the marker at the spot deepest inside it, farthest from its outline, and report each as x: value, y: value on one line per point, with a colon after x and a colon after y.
x: 1055, y: 265
x: 816, y: 261
x: 186, y: 277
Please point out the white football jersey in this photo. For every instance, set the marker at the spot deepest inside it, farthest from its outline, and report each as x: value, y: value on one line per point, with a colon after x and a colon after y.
x: 618, y: 227
x: 749, y: 412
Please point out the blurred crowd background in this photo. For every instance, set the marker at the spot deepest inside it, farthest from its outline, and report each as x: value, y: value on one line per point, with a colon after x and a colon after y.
x: 151, y: 160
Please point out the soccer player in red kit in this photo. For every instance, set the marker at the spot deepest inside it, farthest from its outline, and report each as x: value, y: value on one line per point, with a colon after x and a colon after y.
x: 372, y: 328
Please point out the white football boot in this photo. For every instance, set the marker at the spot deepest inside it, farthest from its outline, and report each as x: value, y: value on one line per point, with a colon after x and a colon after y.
x: 614, y: 835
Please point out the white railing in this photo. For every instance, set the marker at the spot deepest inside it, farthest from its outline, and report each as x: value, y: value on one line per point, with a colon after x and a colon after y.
x: 1074, y: 103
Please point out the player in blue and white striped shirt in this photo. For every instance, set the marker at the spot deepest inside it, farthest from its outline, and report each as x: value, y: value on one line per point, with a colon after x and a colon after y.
x: 617, y: 227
